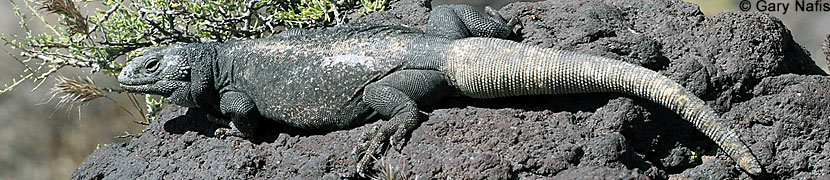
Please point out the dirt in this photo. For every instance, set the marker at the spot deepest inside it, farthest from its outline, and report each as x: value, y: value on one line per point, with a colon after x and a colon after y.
x: 745, y: 65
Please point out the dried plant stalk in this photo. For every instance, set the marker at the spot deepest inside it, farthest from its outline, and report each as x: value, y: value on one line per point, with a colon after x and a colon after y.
x: 390, y: 173
x: 73, y: 18
x: 80, y: 92
x: 75, y: 91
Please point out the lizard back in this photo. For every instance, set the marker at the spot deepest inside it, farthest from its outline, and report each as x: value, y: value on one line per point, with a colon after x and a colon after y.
x: 316, y: 79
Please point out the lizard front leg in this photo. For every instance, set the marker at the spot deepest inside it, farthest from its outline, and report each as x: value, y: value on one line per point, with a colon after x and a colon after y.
x: 397, y: 97
x: 241, y: 111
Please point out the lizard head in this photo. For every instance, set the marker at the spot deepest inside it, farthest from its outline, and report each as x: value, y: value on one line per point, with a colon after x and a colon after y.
x: 161, y: 71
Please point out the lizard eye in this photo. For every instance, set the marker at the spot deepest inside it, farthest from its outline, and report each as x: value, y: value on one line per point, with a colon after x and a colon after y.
x: 151, y: 65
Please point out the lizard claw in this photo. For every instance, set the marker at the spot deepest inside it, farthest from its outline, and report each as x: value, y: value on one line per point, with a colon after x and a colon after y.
x: 397, y: 140
x: 513, y: 22
x: 361, y: 153
x: 495, y: 15
x: 363, y: 142
x: 498, y: 18
x: 374, y: 142
x: 232, y: 131
x: 221, y: 133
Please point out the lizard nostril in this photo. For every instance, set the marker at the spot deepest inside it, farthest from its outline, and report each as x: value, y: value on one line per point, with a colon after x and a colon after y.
x: 123, y: 76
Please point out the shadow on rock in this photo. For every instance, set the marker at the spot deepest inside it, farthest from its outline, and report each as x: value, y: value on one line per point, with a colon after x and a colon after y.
x: 203, y: 123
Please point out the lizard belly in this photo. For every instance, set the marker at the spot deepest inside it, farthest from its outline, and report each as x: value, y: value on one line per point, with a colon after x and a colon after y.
x: 324, y: 92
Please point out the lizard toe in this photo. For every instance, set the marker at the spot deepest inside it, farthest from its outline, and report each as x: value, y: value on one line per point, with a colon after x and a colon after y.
x: 495, y: 15
x: 373, y: 147
x: 364, y: 164
x: 513, y: 22
x: 225, y: 132
x: 363, y: 142
x: 232, y: 131
x: 398, y: 139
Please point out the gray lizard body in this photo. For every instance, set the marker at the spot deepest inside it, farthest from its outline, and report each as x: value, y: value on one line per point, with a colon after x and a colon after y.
x: 340, y: 77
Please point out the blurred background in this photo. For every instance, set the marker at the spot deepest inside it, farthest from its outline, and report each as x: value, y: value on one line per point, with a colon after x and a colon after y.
x: 40, y: 141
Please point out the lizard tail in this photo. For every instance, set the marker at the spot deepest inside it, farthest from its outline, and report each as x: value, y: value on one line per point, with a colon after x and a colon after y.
x: 490, y: 68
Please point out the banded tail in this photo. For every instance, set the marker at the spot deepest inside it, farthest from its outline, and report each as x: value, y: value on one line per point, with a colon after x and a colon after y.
x: 490, y: 68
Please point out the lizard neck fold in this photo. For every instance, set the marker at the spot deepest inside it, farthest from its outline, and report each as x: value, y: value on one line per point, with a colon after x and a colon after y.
x: 201, y: 92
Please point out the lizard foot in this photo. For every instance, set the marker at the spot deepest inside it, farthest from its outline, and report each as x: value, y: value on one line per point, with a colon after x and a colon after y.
x: 225, y: 132
x: 372, y: 143
x: 232, y: 131
x: 497, y: 17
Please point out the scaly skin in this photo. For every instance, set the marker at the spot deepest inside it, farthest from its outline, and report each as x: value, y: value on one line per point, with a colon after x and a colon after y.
x: 490, y: 68
x: 340, y: 77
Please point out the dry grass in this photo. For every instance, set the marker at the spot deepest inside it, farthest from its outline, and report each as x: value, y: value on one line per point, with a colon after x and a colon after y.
x: 75, y: 91
x: 72, y: 16
x: 82, y: 91
x: 390, y: 173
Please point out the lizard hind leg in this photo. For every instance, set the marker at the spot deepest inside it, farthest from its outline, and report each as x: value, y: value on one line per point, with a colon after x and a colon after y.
x: 397, y: 97
x: 456, y: 21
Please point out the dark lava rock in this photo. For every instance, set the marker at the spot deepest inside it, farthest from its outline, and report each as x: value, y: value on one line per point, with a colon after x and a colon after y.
x: 827, y: 50
x: 745, y: 65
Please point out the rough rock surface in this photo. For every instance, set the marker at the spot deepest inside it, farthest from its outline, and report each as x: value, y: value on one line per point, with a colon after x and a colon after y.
x: 826, y: 48
x: 745, y: 65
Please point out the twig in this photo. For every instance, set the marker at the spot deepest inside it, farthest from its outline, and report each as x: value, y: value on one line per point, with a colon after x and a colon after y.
x: 126, y: 135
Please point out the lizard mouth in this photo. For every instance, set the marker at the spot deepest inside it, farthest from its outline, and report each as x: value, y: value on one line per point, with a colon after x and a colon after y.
x: 133, y: 88
x: 144, y: 89
x: 135, y: 82
x: 163, y: 88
